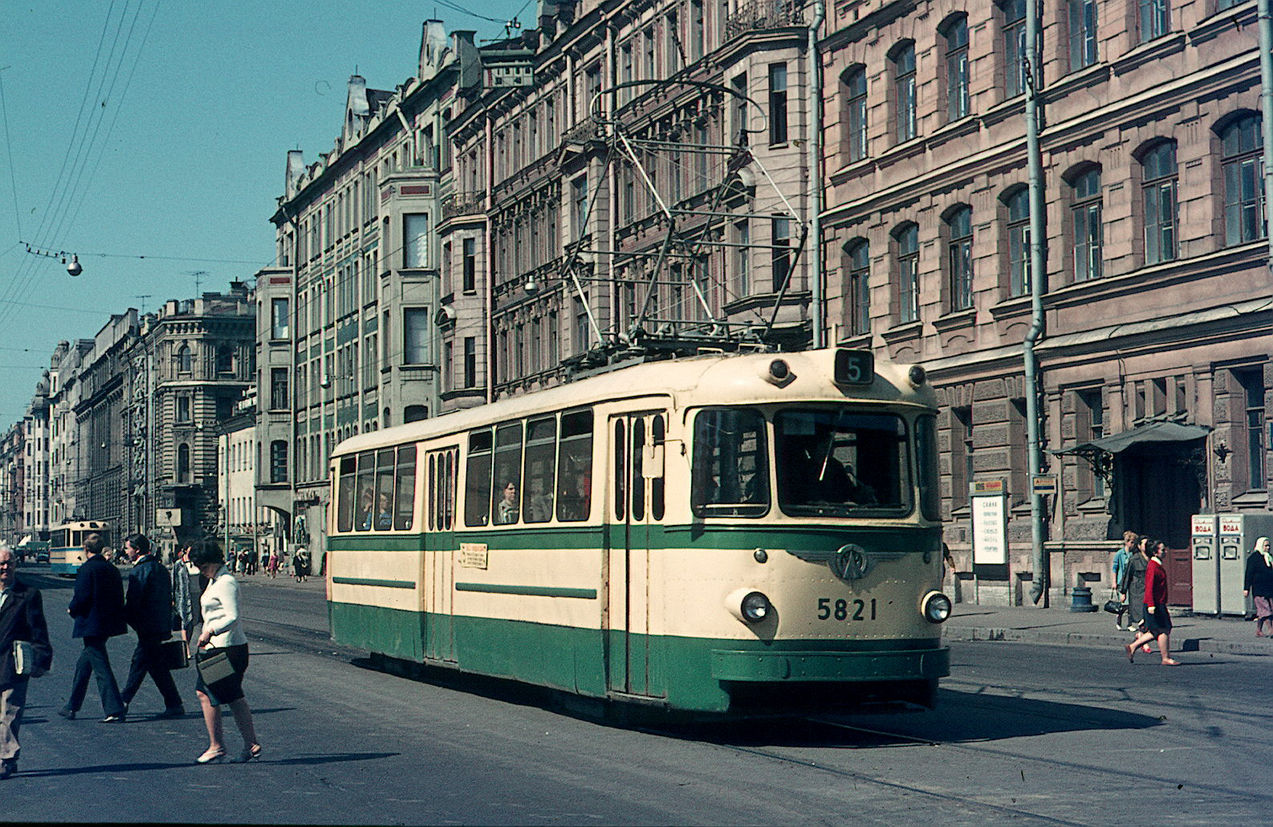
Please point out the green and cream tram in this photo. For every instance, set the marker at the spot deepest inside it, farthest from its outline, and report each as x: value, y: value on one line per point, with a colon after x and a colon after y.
x: 724, y: 533
x: 66, y: 544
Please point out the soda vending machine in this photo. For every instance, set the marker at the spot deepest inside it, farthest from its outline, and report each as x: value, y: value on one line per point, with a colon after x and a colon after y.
x: 1206, y: 565
x: 1237, y: 536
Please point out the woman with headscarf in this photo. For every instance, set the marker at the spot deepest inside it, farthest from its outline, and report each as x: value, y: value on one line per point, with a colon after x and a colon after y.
x: 1258, y: 584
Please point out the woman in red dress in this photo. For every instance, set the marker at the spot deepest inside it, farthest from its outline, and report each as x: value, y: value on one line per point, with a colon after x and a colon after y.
x: 1157, y: 621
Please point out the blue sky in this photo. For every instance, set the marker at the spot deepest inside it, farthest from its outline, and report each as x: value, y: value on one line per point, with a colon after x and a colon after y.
x: 150, y: 137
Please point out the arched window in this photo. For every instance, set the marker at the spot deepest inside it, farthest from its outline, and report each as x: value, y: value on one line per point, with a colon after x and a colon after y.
x: 903, y: 61
x: 955, y: 32
x: 853, y: 87
x: 959, y: 256
x: 1085, y: 215
x: 1242, y: 142
x: 1017, y: 202
x: 906, y: 240
x: 857, y: 258
x: 1158, y: 189
x: 185, y: 362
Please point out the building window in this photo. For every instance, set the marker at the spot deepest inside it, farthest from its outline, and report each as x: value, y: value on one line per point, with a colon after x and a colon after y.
x: 579, y: 205
x: 1014, y: 47
x: 415, y: 413
x: 183, y: 463
x: 1082, y: 33
x: 858, y: 256
x: 183, y: 408
x: 470, y: 362
x: 955, y: 32
x: 279, y: 319
x: 854, y: 89
x: 415, y: 240
x: 278, y: 461
x: 278, y: 389
x: 470, y: 265
x: 1018, y: 204
x: 1090, y: 410
x: 225, y: 358
x: 903, y: 59
x: 1252, y: 384
x: 185, y: 361
x: 415, y: 336
x: 742, y: 257
x: 906, y: 238
x: 959, y: 257
x: 961, y: 456
x: 1155, y: 19
x: 1159, y: 169
x: 1088, y: 229
x: 781, y: 240
x: 777, y: 104
x: 581, y: 326
x: 1243, y: 180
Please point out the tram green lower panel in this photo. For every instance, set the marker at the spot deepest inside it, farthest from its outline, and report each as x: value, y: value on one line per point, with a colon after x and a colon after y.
x: 682, y: 673
x: 392, y: 632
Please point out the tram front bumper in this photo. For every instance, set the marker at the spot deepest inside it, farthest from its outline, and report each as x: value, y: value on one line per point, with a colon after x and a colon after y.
x: 895, y: 665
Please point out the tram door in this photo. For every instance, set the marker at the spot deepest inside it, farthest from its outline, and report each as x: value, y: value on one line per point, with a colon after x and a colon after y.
x: 439, y: 564
x: 635, y: 512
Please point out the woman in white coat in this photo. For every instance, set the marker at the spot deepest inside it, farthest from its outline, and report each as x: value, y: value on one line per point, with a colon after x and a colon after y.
x: 223, y: 632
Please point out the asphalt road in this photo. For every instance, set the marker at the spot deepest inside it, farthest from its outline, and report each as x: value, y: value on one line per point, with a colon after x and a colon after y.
x: 1030, y: 734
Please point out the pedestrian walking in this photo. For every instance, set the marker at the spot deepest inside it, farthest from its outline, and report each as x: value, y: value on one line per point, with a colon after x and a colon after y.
x: 1119, y: 565
x: 97, y: 605
x: 1157, y: 619
x: 148, y: 609
x: 1258, y: 585
x: 21, y: 620
x: 1133, y: 585
x: 223, y: 631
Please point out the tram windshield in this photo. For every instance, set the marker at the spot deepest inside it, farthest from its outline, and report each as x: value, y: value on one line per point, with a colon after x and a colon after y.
x: 837, y: 462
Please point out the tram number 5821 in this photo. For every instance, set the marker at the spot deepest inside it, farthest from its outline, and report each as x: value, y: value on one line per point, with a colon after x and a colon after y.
x: 845, y: 609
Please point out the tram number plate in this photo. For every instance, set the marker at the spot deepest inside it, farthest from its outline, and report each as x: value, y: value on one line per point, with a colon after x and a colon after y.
x: 847, y: 610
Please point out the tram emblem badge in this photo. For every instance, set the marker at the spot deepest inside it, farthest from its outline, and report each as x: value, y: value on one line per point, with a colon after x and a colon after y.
x: 850, y: 562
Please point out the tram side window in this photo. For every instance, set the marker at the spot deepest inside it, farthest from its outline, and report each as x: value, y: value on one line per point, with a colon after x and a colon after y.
x: 574, y: 467
x: 477, y: 479
x: 448, y: 498
x: 541, y: 448
x: 442, y: 490
x: 658, y: 437
x: 433, y: 518
x: 731, y: 468
x: 384, y: 490
x: 926, y: 460
x: 345, y: 495
x: 620, y: 469
x: 505, y: 504
x: 366, y: 516
x: 638, y: 469
x: 404, y: 494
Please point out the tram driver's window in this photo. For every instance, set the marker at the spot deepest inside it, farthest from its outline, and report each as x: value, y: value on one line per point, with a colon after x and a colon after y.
x: 345, y: 495
x: 477, y: 479
x: 731, y: 467
x: 574, y: 464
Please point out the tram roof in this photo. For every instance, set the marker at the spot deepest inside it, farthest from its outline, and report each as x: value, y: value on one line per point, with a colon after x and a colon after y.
x: 711, y: 379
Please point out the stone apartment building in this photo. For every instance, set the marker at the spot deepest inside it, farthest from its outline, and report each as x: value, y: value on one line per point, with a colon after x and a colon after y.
x: 1157, y: 282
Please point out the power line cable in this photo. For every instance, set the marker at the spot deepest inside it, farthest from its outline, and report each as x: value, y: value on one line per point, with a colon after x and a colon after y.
x: 8, y: 142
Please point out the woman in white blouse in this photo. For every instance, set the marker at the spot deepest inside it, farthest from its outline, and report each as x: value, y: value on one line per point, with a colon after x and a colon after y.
x: 223, y: 631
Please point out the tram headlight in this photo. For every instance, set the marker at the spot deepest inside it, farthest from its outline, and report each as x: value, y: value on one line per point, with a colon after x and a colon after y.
x: 755, y: 607
x: 935, y: 607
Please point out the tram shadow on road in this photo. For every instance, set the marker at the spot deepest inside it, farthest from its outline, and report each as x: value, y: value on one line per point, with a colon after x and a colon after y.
x: 960, y: 717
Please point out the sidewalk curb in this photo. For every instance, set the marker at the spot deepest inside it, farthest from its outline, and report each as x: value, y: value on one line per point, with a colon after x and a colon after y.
x: 1187, y: 644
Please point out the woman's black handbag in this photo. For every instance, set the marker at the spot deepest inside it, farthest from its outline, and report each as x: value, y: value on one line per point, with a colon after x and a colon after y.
x: 172, y: 654
x: 1115, y: 607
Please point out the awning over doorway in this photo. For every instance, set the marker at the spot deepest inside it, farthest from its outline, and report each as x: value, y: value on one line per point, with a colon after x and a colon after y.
x: 1153, y: 432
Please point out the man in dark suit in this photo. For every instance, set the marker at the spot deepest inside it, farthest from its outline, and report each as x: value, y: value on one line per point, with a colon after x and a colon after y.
x: 21, y: 618
x: 148, y: 608
x: 98, y: 608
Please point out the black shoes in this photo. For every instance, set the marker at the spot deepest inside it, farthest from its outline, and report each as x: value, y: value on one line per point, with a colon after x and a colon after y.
x: 68, y: 714
x: 8, y: 768
x: 113, y: 719
x: 173, y: 712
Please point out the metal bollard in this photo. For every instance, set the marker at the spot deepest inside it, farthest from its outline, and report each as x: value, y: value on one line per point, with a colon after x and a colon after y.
x: 1081, y: 599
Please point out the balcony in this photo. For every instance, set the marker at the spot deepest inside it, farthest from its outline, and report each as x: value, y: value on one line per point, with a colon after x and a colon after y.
x: 758, y: 16
x: 462, y: 203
